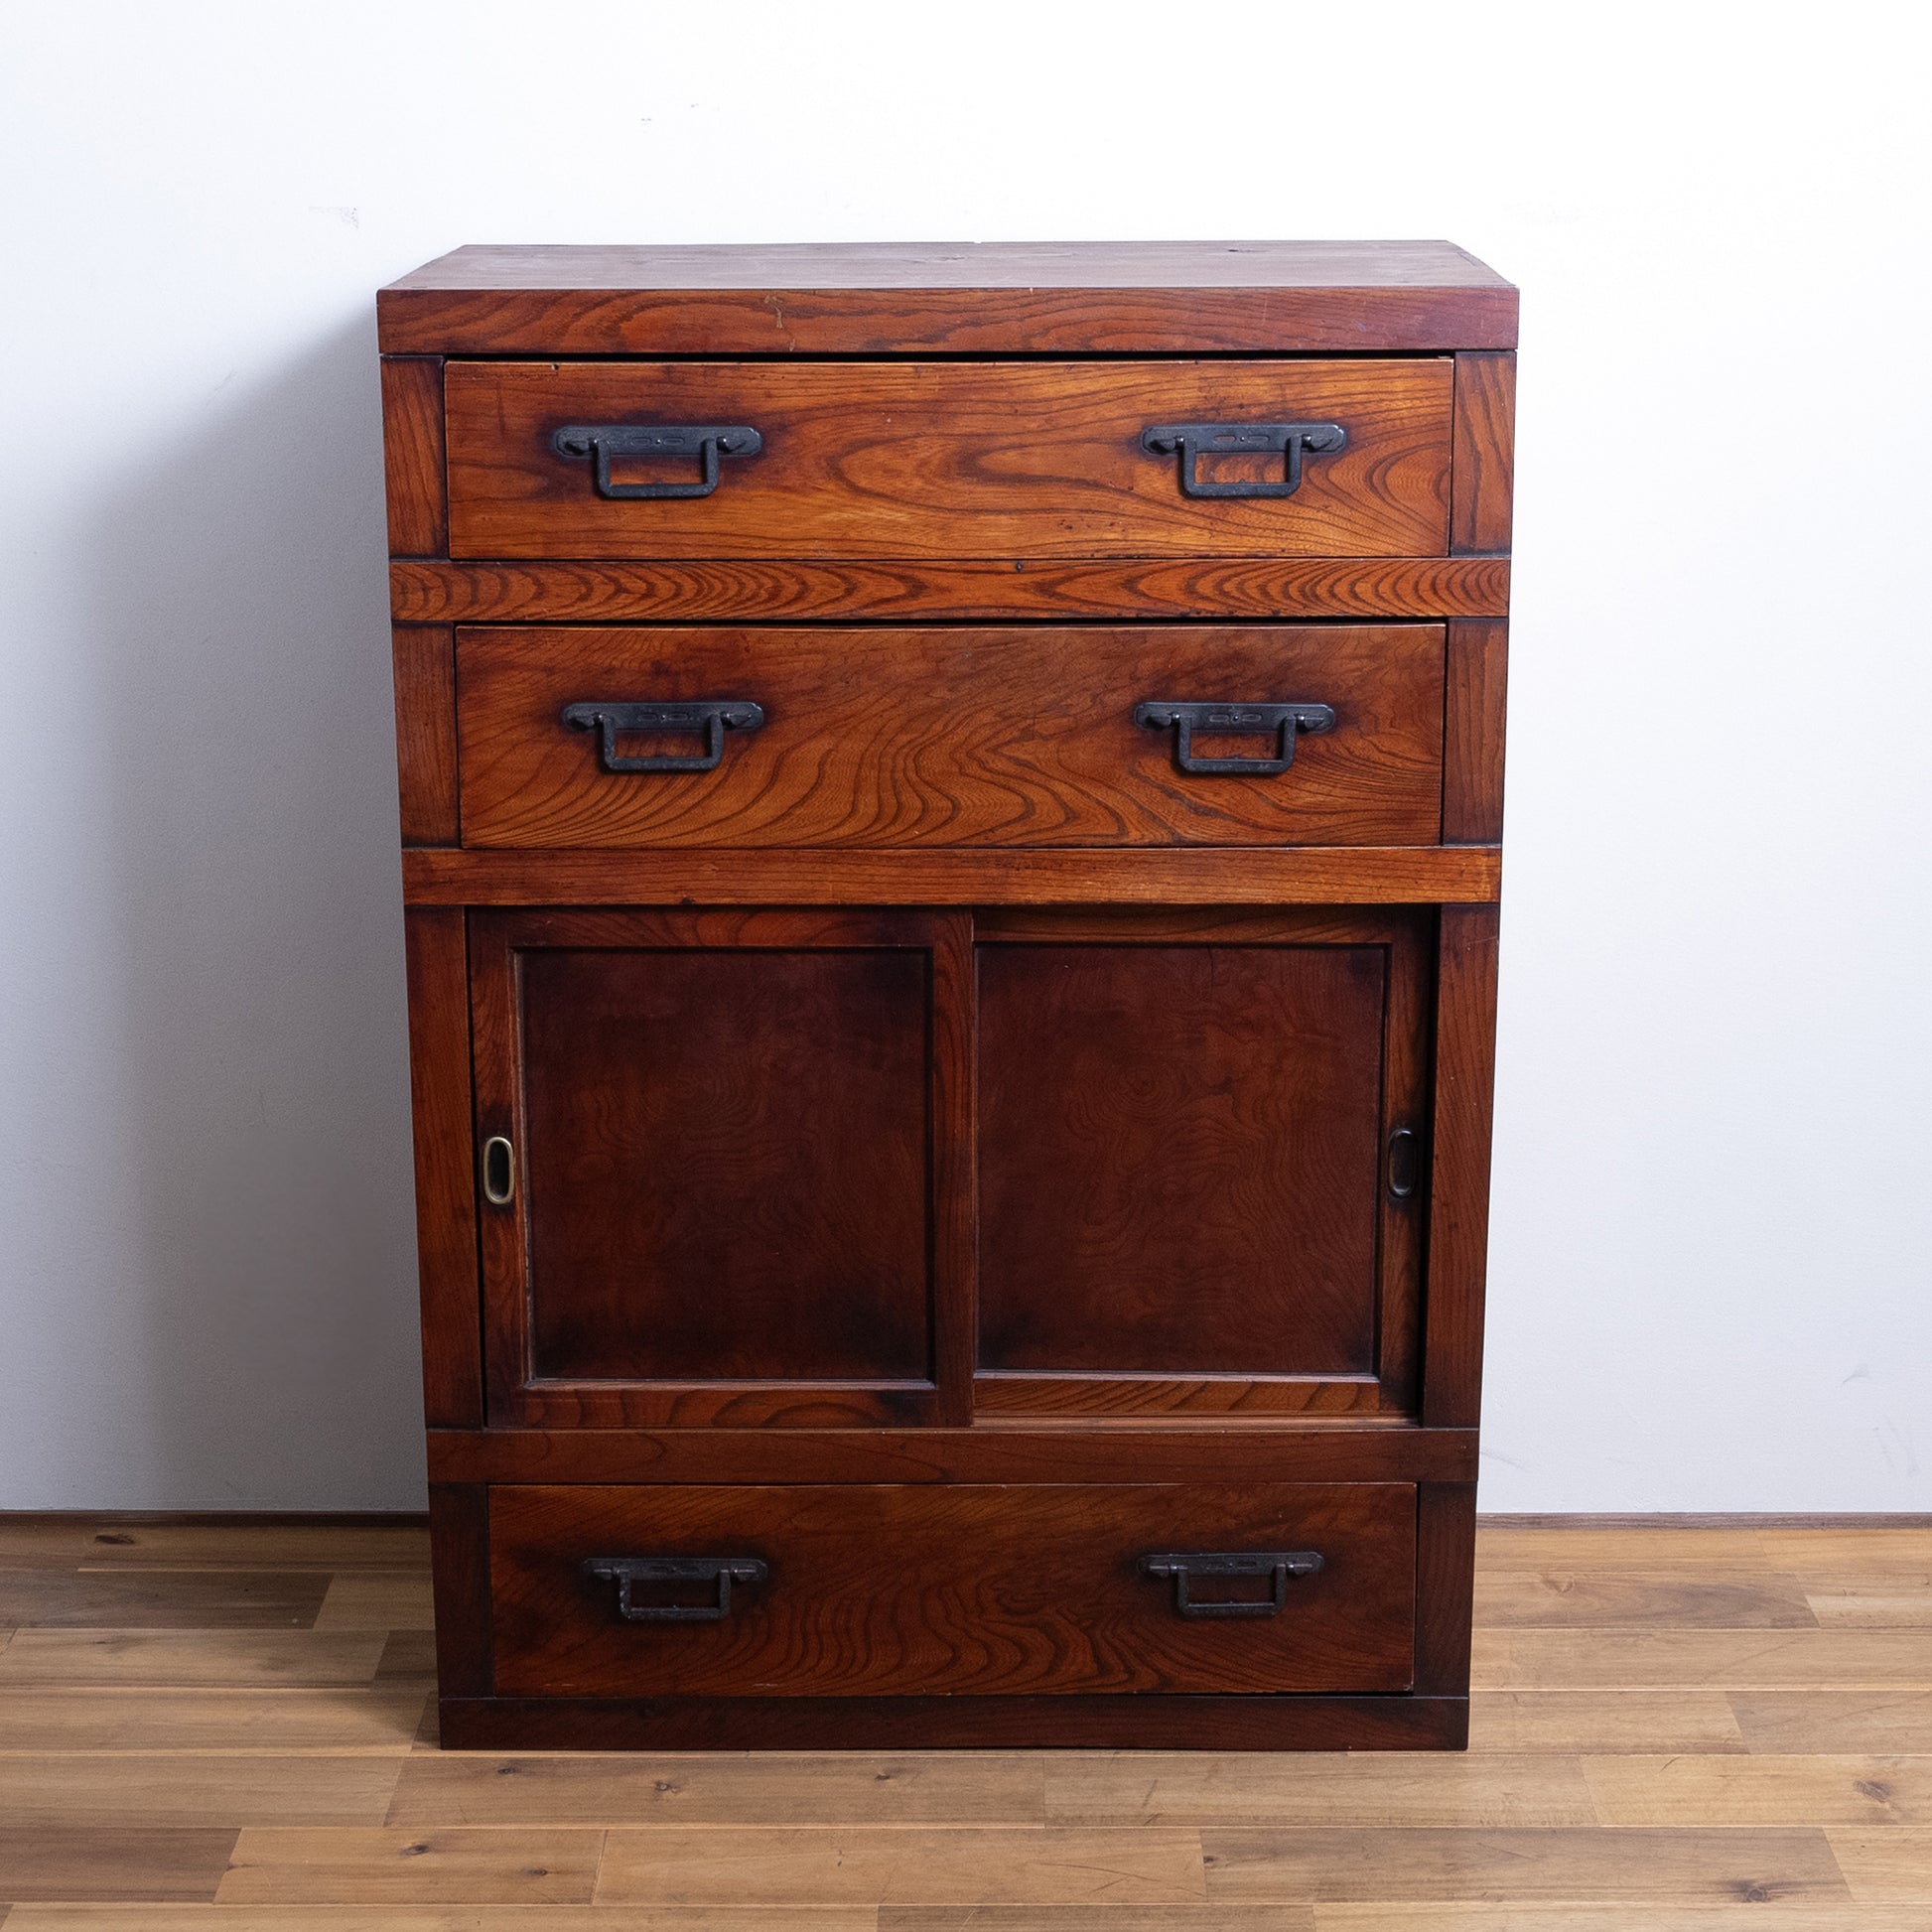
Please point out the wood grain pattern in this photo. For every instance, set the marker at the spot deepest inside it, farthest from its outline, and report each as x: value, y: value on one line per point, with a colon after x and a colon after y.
x: 1258, y: 297
x: 1445, y: 1584
x: 889, y: 737
x: 1313, y: 1451
x: 953, y: 1590
x: 1458, y: 1226
x: 1475, y: 687
x: 412, y: 452
x: 426, y: 759
x: 111, y: 1863
x: 1198, y: 876
x: 532, y: 1865
x: 436, y: 952
x: 950, y: 459
x: 1485, y: 453
x: 794, y: 590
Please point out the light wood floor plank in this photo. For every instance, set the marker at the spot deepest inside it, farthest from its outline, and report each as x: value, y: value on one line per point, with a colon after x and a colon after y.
x: 1729, y: 1551
x: 376, y: 1599
x: 148, y: 1600
x: 1875, y: 1603
x: 907, y: 1865
x: 1886, y: 1867
x: 135, y: 1788
x: 1091, y: 1918
x: 41, y: 1861
x: 1604, y: 1720
x: 318, y: 1866
x: 75, y: 1541
x: 1721, y: 1659
x: 1881, y: 1719
x: 181, y: 1657
x: 1823, y: 1554
x: 1579, y: 1596
x: 1762, y: 1790
x: 1769, y: 1915
x: 1369, y: 1789
x: 791, y: 1788
x: 460, y: 1918
x: 97, y: 1717
x: 1637, y: 1869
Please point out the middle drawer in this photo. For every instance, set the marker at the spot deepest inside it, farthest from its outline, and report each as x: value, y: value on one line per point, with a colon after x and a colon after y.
x: 1242, y: 735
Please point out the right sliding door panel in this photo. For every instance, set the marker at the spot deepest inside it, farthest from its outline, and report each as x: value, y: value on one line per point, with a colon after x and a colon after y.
x: 1200, y: 1171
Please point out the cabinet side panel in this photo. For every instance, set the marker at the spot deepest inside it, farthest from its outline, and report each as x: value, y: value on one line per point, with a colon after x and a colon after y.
x: 1477, y: 678
x: 1484, y: 453
x: 446, y: 1207
x: 412, y: 452
x: 426, y: 763
x: 1446, y: 1548
x: 1459, y: 1222
x: 458, y: 1536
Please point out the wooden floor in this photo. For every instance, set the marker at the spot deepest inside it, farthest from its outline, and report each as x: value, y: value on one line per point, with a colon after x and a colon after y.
x: 229, y: 1727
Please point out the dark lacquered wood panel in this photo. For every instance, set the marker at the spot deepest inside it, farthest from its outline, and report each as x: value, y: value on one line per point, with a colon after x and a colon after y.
x: 882, y: 738
x: 426, y: 761
x: 412, y: 448
x: 1191, y: 876
x: 1474, y: 690
x: 866, y: 298
x: 1283, y: 1450
x: 797, y: 590
x: 1485, y: 453
x: 459, y: 1530
x: 1445, y: 1548
x: 958, y: 1588
x: 905, y: 460
x: 1181, y: 1169
x: 437, y: 962
x: 730, y: 1194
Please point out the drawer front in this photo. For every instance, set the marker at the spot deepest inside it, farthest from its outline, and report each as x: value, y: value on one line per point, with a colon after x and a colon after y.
x: 950, y: 459
x: 975, y: 1588
x: 1011, y: 736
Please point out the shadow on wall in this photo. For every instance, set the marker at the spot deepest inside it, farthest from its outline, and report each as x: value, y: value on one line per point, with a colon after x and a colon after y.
x: 242, y: 734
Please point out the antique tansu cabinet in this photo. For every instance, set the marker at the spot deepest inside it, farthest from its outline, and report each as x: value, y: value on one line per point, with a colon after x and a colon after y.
x: 951, y: 803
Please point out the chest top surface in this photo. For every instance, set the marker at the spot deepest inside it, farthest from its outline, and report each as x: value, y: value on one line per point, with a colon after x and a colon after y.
x: 956, y: 298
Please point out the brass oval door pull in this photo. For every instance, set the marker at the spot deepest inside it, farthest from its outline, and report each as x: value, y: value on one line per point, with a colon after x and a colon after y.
x: 498, y: 1172
x: 628, y: 1571
x: 705, y: 441
x: 1275, y: 1565
x: 1287, y: 721
x: 1196, y: 440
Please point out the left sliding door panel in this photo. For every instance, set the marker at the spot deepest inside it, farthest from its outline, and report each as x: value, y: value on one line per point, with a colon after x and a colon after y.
x: 719, y: 1165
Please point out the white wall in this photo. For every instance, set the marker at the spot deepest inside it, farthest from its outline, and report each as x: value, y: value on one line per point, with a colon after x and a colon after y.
x: 1712, y: 1218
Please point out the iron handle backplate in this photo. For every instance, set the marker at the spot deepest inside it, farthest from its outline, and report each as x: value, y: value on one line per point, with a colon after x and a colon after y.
x: 1287, y: 721
x: 711, y: 716
x: 1275, y: 1565
x: 498, y: 1171
x: 1405, y: 1164
x: 723, y: 1572
x: 705, y: 441
x: 1196, y: 440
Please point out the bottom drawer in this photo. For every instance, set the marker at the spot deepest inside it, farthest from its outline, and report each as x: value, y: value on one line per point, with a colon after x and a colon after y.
x: 970, y: 1589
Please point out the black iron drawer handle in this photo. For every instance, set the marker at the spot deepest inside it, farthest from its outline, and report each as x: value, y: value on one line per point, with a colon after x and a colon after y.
x: 1287, y: 721
x: 705, y: 441
x: 712, y: 715
x: 1276, y: 1564
x: 1290, y: 440
x: 625, y: 1572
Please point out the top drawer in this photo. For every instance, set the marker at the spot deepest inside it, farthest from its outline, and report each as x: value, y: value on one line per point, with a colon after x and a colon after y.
x: 950, y: 458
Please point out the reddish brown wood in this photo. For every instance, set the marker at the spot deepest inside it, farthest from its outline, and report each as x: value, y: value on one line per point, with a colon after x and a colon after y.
x: 1213, y: 1115
x: 955, y: 1214
x: 1008, y: 460
x: 1280, y: 1448
x: 1185, y: 297
x: 446, y: 1204
x: 412, y: 448
x: 1195, y: 875
x: 459, y: 1538
x: 1485, y: 453
x: 1446, y: 1546
x: 1473, y: 707
x: 885, y: 738
x: 791, y: 590
x: 895, y: 1591
x: 1459, y: 1222
x: 731, y: 1191
x: 1087, y: 1722
x: 426, y: 761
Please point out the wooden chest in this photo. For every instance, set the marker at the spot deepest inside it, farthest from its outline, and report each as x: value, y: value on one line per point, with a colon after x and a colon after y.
x: 950, y: 806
